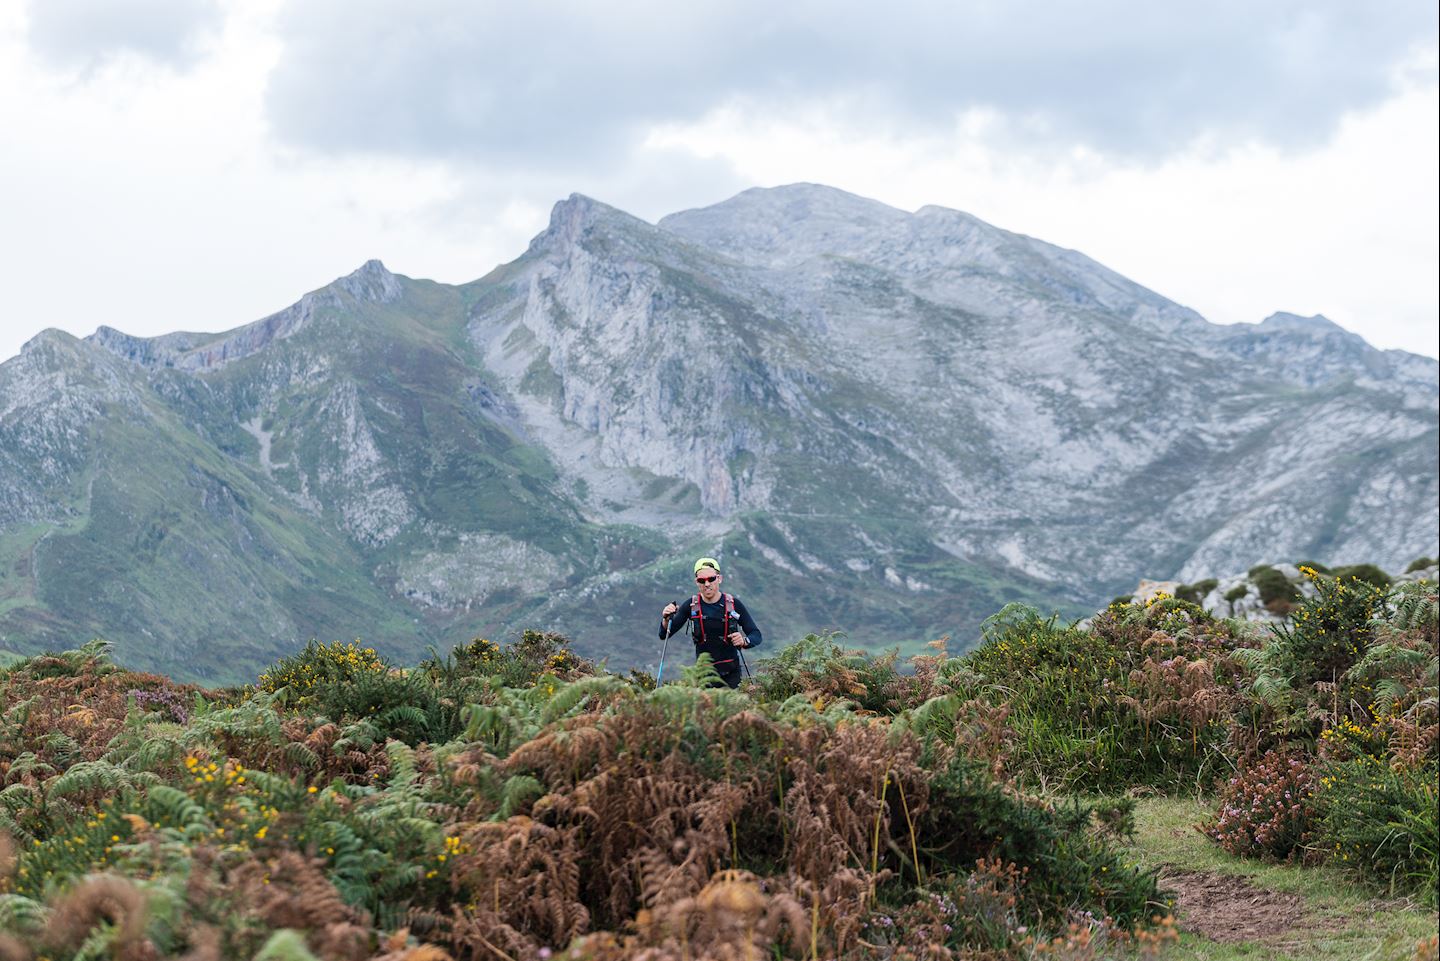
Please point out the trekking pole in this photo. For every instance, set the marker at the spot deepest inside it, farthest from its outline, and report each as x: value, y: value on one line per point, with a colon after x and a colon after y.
x: 741, y: 652
x: 664, y: 645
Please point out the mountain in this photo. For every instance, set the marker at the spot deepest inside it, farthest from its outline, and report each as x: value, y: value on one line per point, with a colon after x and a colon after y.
x: 886, y: 423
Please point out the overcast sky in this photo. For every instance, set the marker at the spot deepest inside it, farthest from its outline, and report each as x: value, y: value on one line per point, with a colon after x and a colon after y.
x: 197, y: 164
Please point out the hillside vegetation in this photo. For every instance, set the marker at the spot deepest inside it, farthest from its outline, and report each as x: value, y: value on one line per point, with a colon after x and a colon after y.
x: 517, y: 802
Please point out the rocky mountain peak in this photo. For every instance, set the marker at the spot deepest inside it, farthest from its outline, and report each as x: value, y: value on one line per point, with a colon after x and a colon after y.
x: 372, y: 283
x: 1318, y: 324
x: 47, y: 339
x: 573, y: 218
x: 1314, y: 351
x: 784, y: 226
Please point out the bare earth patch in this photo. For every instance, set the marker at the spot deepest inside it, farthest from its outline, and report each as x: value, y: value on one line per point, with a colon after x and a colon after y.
x: 1228, y: 908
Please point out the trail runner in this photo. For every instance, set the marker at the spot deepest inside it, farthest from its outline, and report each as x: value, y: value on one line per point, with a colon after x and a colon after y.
x: 719, y: 624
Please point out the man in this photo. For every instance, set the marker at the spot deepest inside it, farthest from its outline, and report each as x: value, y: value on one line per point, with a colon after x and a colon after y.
x: 719, y: 624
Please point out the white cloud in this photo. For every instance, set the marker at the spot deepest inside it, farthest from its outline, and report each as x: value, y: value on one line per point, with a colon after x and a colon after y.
x: 87, y: 33
x: 155, y: 199
x: 540, y: 83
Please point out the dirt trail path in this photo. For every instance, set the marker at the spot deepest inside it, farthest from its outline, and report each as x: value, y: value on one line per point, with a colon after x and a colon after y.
x: 1228, y: 908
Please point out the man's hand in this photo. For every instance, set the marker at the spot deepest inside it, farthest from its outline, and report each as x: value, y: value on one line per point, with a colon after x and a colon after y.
x: 669, y: 609
x: 737, y: 639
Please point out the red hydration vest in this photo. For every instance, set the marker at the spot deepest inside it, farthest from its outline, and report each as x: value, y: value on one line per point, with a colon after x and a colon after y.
x: 697, y: 630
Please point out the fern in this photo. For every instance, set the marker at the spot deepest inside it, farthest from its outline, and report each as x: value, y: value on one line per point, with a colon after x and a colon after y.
x: 572, y: 697
x: 89, y: 776
x: 700, y: 674
x: 16, y: 716
x: 519, y: 792
x: 253, y: 720
x: 403, y: 716
x: 300, y: 755
x: 285, y: 945
x: 800, y: 708
x: 28, y: 764
x: 935, y: 718
x: 513, y: 718
x: 19, y: 913
x: 1415, y: 607
x: 168, y: 804
x: 1272, y: 684
x: 360, y: 736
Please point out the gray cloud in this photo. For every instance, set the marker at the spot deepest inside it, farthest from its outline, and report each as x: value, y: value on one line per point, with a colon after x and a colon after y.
x: 571, y: 82
x: 84, y: 33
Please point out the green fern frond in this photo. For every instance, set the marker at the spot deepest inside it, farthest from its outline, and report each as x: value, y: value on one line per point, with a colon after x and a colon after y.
x: 519, y: 792
x: 402, y: 762
x: 28, y: 763
x: 300, y: 755
x: 88, y: 776
x: 285, y: 945
x: 573, y: 696
x: 170, y: 806
x: 700, y: 674
x: 21, y: 914
x: 935, y: 718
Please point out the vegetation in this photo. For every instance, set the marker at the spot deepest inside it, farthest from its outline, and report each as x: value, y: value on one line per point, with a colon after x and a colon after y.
x: 1196, y: 593
x: 518, y: 802
x: 1276, y: 591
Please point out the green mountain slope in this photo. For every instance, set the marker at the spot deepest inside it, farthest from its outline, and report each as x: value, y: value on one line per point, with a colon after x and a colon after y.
x: 891, y: 430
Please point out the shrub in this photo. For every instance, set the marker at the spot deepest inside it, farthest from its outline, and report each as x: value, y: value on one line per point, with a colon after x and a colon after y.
x: 522, y: 663
x: 169, y: 704
x: 1237, y: 592
x: 1266, y: 810
x: 1368, y: 573
x: 1420, y: 563
x: 1195, y: 593
x: 1063, y: 854
x: 1327, y: 634
x: 1381, y: 823
x: 320, y: 666
x: 1314, y: 566
x: 821, y: 670
x: 1276, y: 590
x: 1124, y: 702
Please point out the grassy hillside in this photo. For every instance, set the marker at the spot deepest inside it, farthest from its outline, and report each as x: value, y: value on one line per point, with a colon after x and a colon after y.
x: 516, y: 802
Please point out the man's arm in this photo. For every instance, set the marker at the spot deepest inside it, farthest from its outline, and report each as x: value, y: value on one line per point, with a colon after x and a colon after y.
x: 747, y: 624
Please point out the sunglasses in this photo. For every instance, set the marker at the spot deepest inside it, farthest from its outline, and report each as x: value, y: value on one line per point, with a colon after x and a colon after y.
x: 707, y: 580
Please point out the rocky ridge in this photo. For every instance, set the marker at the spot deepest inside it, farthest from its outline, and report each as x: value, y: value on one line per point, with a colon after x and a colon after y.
x: 893, y: 423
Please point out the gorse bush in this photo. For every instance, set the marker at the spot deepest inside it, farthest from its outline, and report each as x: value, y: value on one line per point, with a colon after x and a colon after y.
x: 314, y: 671
x: 1381, y: 823
x: 535, y: 655
x: 1349, y: 684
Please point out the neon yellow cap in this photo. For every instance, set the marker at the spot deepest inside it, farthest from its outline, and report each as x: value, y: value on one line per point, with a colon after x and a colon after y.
x: 709, y: 562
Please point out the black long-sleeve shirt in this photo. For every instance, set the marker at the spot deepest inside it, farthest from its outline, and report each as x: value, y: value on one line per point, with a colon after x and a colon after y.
x: 708, y: 632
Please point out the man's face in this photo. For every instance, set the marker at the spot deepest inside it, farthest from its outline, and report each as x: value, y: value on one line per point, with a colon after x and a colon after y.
x: 708, y: 580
